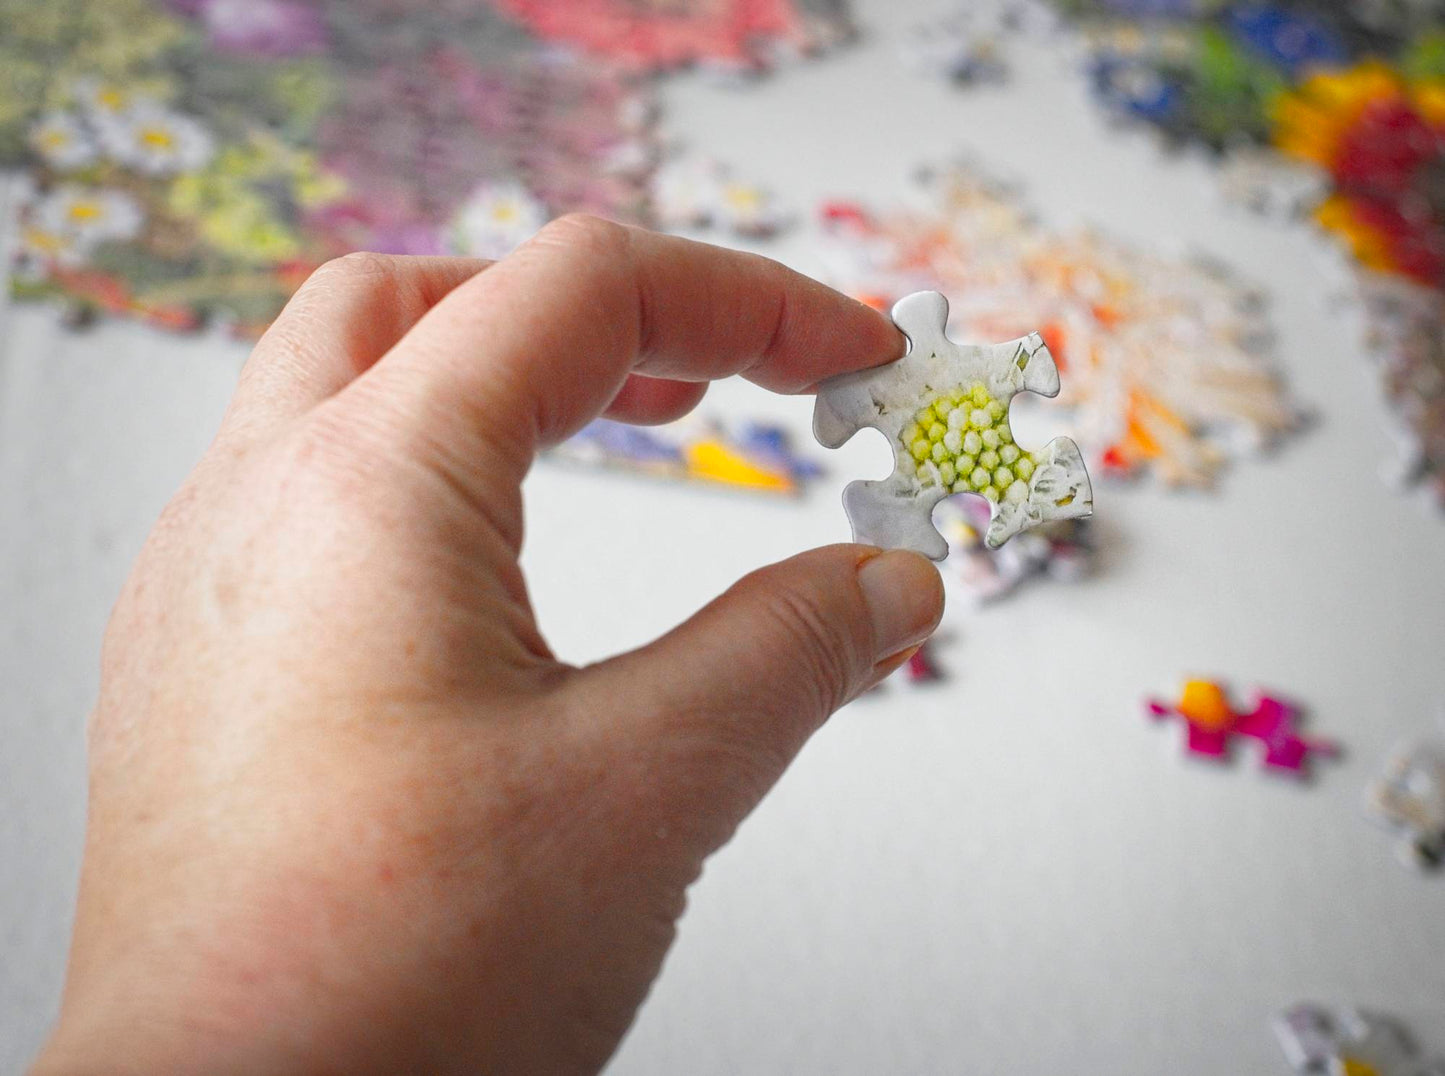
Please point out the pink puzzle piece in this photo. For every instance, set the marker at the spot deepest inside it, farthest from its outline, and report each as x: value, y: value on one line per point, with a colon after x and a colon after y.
x: 1211, y: 723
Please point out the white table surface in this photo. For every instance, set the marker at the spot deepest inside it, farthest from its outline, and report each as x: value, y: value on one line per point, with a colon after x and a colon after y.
x: 1001, y: 875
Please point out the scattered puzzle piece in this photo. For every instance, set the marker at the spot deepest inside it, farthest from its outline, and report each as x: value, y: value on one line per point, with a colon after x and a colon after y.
x: 1212, y: 723
x: 921, y: 668
x: 756, y: 456
x: 944, y: 409
x: 1409, y: 798
x: 1346, y: 1042
x: 1062, y: 550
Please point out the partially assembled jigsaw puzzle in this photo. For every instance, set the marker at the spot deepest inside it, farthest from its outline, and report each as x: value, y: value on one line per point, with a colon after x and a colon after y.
x: 1168, y: 361
x: 944, y: 409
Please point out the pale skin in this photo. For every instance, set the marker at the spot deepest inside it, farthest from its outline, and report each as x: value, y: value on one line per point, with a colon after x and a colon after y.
x: 348, y: 813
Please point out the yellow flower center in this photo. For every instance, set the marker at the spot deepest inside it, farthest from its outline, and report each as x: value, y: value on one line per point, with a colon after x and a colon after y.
x: 743, y: 198
x: 83, y: 212
x: 505, y: 212
x: 54, y: 139
x: 110, y: 98
x: 157, y: 138
x: 961, y: 441
x: 45, y: 242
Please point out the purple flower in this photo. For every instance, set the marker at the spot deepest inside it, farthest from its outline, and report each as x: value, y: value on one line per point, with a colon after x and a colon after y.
x: 267, y: 27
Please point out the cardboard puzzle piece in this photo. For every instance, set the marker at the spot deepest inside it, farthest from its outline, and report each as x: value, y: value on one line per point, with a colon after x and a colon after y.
x: 944, y: 409
x: 1409, y: 798
x: 1212, y: 723
x: 1346, y: 1042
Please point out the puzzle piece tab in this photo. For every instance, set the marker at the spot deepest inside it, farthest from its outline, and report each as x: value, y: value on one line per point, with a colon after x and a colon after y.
x: 1347, y: 1043
x: 944, y: 409
x: 1212, y: 723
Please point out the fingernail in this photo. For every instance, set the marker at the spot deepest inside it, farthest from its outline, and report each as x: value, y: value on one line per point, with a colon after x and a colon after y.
x: 904, y: 596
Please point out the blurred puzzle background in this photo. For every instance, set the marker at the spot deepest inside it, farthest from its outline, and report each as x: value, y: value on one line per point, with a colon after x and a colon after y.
x: 1226, y: 218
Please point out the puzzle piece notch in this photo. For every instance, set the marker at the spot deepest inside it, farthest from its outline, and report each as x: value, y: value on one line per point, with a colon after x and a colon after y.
x: 1211, y: 723
x: 1346, y: 1042
x: 943, y: 408
x: 1409, y: 798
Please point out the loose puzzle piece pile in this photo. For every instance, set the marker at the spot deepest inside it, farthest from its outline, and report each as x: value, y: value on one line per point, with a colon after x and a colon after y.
x: 1319, y: 1042
x: 1167, y: 361
x: 944, y: 409
x: 755, y: 456
x: 1212, y: 723
x: 1408, y: 798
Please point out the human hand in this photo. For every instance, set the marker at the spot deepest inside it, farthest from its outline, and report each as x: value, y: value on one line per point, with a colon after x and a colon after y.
x: 347, y: 811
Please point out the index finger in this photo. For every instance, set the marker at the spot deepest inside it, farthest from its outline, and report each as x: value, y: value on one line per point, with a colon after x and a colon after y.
x: 537, y: 346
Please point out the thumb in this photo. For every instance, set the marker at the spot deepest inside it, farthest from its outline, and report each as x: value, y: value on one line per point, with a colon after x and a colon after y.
x: 721, y: 705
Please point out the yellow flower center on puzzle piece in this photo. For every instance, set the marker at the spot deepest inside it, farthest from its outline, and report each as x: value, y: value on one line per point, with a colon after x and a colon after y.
x: 1205, y: 705
x: 46, y: 242
x: 84, y: 212
x: 505, y: 212
x: 1353, y: 1066
x: 961, y: 441
x: 157, y: 138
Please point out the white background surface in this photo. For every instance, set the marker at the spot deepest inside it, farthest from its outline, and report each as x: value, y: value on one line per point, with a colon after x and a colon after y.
x: 1010, y: 873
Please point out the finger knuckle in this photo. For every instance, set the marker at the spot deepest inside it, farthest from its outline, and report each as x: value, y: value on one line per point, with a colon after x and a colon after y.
x: 595, y: 235
x: 349, y: 269
x: 820, y: 644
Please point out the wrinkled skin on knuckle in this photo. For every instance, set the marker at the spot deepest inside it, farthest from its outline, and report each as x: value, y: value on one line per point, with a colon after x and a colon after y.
x: 821, y: 641
x: 595, y: 236
x: 357, y: 264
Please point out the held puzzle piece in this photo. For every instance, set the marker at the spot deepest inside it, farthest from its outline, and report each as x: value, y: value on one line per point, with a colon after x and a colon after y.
x: 944, y: 409
x: 1347, y: 1043
x: 1213, y: 723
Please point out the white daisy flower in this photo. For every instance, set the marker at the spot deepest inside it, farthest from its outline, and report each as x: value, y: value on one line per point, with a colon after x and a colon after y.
x: 750, y: 210
x: 495, y: 220
x: 100, y: 100
x: 155, y: 140
x: 686, y: 193
x: 703, y: 193
x: 41, y: 248
x: 88, y: 215
x: 62, y: 141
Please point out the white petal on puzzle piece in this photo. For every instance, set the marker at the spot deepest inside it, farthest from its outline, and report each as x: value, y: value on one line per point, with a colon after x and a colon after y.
x: 890, y: 516
x: 1060, y: 489
x: 896, y: 512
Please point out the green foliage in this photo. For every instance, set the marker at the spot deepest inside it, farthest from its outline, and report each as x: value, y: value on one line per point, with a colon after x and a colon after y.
x: 1232, y: 91
x: 1424, y: 60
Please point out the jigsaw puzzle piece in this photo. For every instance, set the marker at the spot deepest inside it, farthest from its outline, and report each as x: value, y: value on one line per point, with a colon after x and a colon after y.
x: 1409, y: 799
x: 1347, y: 1043
x: 944, y: 409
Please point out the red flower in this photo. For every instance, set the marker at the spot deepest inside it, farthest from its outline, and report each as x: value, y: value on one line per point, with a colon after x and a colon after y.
x: 659, y: 34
